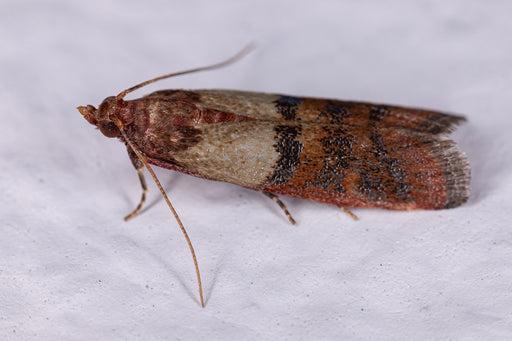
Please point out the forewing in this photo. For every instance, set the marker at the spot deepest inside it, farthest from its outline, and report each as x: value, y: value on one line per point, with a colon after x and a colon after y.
x: 341, y: 164
x: 275, y: 107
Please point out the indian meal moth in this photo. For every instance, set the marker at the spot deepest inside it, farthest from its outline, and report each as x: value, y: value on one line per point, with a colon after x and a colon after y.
x: 345, y: 153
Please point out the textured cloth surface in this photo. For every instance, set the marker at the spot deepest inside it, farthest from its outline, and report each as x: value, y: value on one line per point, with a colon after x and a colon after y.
x: 71, y: 268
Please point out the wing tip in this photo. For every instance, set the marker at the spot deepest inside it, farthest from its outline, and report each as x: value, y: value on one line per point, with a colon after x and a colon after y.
x: 456, y: 171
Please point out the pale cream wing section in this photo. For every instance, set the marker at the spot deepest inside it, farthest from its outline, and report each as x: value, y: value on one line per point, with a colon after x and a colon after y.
x: 258, y: 105
x: 242, y: 153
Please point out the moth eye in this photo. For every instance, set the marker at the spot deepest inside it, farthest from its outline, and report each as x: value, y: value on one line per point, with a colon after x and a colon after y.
x: 108, y: 128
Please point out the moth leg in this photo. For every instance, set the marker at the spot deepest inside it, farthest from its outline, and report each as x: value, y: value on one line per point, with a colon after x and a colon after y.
x: 280, y: 203
x: 349, y: 212
x: 139, y: 166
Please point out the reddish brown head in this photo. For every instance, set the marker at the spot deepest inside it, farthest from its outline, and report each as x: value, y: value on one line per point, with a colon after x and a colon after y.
x: 102, y: 117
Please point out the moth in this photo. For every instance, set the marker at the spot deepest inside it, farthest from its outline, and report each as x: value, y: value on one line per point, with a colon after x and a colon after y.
x: 345, y: 153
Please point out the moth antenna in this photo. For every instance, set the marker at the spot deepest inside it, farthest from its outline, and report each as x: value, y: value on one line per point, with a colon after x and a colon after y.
x: 150, y: 170
x: 239, y: 55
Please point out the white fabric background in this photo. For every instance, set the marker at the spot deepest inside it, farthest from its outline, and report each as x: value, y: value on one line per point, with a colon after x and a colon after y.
x: 70, y: 268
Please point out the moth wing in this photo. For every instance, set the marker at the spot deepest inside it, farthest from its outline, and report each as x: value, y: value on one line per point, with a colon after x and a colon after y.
x: 275, y: 107
x: 341, y: 164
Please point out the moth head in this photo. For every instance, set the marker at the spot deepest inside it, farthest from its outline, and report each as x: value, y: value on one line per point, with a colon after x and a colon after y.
x: 101, y: 117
